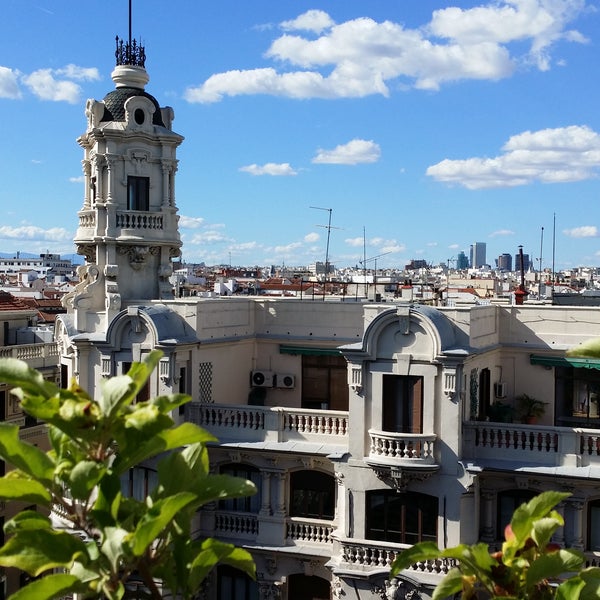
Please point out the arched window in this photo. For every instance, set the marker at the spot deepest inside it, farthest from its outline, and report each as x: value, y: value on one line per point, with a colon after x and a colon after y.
x: 234, y: 584
x: 250, y: 504
x: 312, y: 495
x: 301, y: 587
x: 408, y: 517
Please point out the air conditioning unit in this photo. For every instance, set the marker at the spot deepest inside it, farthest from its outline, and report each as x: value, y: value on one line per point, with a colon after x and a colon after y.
x: 260, y: 378
x: 500, y: 389
x: 285, y: 380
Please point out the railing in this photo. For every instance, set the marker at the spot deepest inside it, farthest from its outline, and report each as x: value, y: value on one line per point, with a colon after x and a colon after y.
x: 314, y: 531
x: 536, y: 444
x: 236, y: 525
x: 259, y: 424
x: 37, y: 355
x: 36, y: 431
x: 139, y: 220
x: 87, y: 219
x: 365, y: 555
x: 401, y: 448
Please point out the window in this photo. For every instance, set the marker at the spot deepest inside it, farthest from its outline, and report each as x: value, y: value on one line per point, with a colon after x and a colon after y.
x: 324, y: 382
x: 577, y: 397
x: 301, y: 587
x: 144, y: 393
x: 484, y: 393
x: 406, y: 518
x: 593, y: 526
x: 138, y: 193
x: 402, y: 404
x: 312, y: 495
x: 232, y: 583
x: 249, y: 504
x: 508, y: 501
x: 138, y: 482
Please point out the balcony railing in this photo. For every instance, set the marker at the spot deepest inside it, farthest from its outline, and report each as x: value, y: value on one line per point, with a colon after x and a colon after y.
x: 36, y: 355
x: 139, y: 220
x: 388, y: 448
x: 309, y: 531
x: 536, y: 444
x: 236, y: 525
x: 277, y: 424
x: 366, y: 555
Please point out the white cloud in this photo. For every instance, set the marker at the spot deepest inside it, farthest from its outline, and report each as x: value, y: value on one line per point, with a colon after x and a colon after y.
x: 362, y: 57
x: 9, y: 86
x: 502, y: 232
x: 190, y: 222
x: 548, y: 156
x: 354, y: 242
x: 79, y: 73
x: 582, y: 232
x: 274, y: 169
x: 46, y: 87
x: 310, y: 238
x: 287, y: 249
x: 32, y: 232
x: 80, y: 179
x: 353, y: 153
x: 311, y: 20
x: 209, y: 236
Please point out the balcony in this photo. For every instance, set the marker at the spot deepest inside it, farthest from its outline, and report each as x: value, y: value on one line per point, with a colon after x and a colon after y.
x: 131, y: 219
x: 389, y: 449
x: 535, y: 445
x: 37, y: 356
x: 301, y: 531
x: 253, y: 424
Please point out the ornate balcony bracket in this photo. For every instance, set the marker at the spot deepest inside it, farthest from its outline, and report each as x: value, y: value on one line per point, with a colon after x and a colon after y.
x: 400, y: 478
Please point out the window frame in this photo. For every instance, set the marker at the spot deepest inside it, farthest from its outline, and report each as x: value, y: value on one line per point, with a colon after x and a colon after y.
x: 312, y: 495
x: 138, y: 193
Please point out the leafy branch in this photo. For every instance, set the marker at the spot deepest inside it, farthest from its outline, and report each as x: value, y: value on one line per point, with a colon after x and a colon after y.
x: 121, y: 540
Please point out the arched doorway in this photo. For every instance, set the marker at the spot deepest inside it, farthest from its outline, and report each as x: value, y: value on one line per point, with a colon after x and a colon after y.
x: 308, y: 587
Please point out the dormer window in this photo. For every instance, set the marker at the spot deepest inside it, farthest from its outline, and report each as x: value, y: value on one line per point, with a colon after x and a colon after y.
x: 138, y: 193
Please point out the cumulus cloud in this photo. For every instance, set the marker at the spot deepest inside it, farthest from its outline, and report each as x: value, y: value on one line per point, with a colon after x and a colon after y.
x: 58, y: 85
x: 9, y: 84
x: 353, y: 153
x: 311, y: 20
x: 556, y: 155
x: 354, y: 242
x: 310, y: 238
x: 502, y: 232
x: 80, y: 179
x: 585, y: 231
x: 361, y: 57
x: 274, y: 169
x: 190, y: 222
x: 32, y: 232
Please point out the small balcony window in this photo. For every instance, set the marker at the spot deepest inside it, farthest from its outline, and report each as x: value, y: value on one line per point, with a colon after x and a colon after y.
x: 402, y: 404
x: 312, y: 495
x: 578, y: 397
x: 248, y: 504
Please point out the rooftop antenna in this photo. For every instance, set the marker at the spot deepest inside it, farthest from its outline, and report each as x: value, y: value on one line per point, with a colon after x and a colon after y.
x: 329, y: 228
x: 129, y: 39
x: 130, y: 52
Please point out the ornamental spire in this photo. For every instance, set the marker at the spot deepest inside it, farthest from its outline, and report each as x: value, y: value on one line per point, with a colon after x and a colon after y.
x: 130, y: 52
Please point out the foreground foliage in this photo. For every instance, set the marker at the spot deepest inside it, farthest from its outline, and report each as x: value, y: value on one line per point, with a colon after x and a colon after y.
x: 529, y: 566
x: 119, y: 539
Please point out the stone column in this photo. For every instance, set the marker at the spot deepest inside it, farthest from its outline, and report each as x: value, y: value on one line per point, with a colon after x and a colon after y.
x: 576, y: 505
x: 265, y: 507
x: 280, y: 506
x: 487, y: 534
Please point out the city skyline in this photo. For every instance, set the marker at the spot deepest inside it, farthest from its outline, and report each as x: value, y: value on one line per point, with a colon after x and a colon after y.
x: 424, y: 128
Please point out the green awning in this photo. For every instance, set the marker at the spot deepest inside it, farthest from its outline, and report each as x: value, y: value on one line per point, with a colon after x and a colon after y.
x: 308, y: 351
x: 565, y: 361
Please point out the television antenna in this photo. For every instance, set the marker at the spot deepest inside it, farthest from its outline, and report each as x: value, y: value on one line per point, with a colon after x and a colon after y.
x: 329, y: 227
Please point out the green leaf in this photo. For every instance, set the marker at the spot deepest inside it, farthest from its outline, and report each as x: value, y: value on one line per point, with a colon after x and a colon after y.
x: 543, y: 530
x: 26, y: 457
x: 112, y: 546
x: 591, y: 577
x: 554, y: 564
x: 538, y: 507
x: 25, y: 490
x: 17, y: 373
x: 27, y: 519
x: 221, y: 487
x: 168, y: 403
x: 590, y: 349
x: 85, y: 475
x: 212, y: 552
x: 570, y: 589
x: 451, y: 584
x: 36, y: 551
x: 186, y: 433
x: 418, y: 553
x: 116, y: 392
x: 51, y: 586
x: 157, y: 519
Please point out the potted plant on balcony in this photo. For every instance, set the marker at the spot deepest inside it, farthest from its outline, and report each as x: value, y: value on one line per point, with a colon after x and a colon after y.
x: 499, y: 412
x: 530, y: 409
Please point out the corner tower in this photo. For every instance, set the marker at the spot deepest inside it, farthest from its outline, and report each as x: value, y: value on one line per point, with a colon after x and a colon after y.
x: 128, y: 230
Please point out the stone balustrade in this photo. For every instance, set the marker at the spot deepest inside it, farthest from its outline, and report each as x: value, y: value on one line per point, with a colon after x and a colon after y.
x: 536, y: 444
x: 314, y: 531
x: 139, y: 220
x: 236, y: 525
x: 37, y: 355
x: 388, y: 448
x: 260, y: 424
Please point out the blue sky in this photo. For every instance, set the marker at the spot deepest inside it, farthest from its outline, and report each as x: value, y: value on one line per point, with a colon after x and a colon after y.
x: 425, y: 126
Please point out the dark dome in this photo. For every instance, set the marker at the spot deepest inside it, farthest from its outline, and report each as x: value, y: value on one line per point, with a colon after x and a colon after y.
x: 114, y: 104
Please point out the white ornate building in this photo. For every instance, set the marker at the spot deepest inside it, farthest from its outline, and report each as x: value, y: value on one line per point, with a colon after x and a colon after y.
x: 366, y: 427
